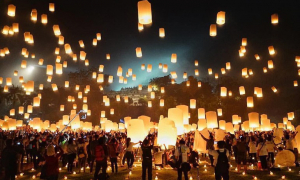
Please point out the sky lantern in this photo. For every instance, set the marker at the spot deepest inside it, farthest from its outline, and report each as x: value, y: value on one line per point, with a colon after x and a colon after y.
x: 108, y: 56
x: 167, y: 132
x: 49, y: 70
x: 250, y: 72
x: 220, y: 18
x: 173, y: 58
x: 29, y: 109
x: 65, y: 64
x: 67, y: 84
x: 101, y: 68
x: 270, y: 64
x: 202, y: 124
x: 58, y: 59
x: 140, y: 26
x: 58, y: 68
x: 250, y: 103
x: 15, y: 27
x: 138, y: 52
x: 74, y: 106
x: 253, y: 119
x: 34, y: 15
x: 144, y: 12
x: 271, y: 50
x: 79, y: 95
x: 54, y: 87
x: 119, y: 71
x: 223, y: 92
x: 295, y: 83
x: 41, y: 62
x: 274, y: 89
x: 36, y: 101
x: 130, y: 72
x: 257, y: 57
x: 285, y: 120
x: 242, y: 90
x: 211, y: 117
x: 228, y: 66
x: 133, y: 77
x: 210, y: 71
x: 12, y: 112
x: 62, y: 107
x: 66, y: 119
x: 162, y: 90
x: 259, y: 92
x: 81, y: 44
x: 51, y: 7
x: 143, y: 66
x: 23, y: 64
x: 196, y: 63
x: 149, y: 103
x: 1, y: 80
x: 291, y: 115
x: 84, y: 99
x: 61, y: 40
x: 216, y: 76
x: 5, y: 30
x: 188, y: 83
x: 68, y: 49
x: 152, y: 95
x: 219, y: 111
x: 161, y: 32
x: 140, y: 87
x: 193, y: 103
x: 201, y: 113
x: 11, y: 10
x: 160, y: 66
x: 44, y: 19
x: 5, y: 89
x: 165, y: 68
x: 100, y: 78
x: 161, y: 102
x: 74, y: 57
x: 125, y: 81
x: 121, y: 79
x: 41, y: 87
x: 95, y: 42
x: 235, y: 119
x: 223, y: 71
x: 244, y: 41
x: 149, y: 68
x: 176, y: 115
x: 243, y: 49
x: 56, y: 30
x: 21, y: 109
x: 265, y: 70
x: 110, y: 79
x: 85, y: 107
x: 222, y: 124
x: 244, y: 72
x: 297, y: 58
x: 213, y: 30
x: 98, y: 36
x: 196, y: 72
x: 274, y: 19
x: 8, y: 81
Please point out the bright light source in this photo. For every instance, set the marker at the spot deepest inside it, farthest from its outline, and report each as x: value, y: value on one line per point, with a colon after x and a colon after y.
x: 30, y: 69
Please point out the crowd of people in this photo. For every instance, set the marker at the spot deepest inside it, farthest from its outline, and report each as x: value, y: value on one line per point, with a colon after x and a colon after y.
x: 91, y: 151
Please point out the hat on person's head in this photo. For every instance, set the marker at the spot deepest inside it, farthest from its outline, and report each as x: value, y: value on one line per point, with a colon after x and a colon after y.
x: 50, y: 150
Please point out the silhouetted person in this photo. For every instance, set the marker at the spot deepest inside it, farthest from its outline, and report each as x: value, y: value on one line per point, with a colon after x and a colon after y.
x: 9, y: 160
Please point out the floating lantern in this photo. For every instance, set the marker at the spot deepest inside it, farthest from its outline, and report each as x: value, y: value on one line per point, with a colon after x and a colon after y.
x: 62, y: 107
x: 184, y: 75
x: 144, y: 12
x: 271, y: 50
x: 242, y: 90
x: 160, y: 66
x: 257, y: 57
x: 196, y: 63
x: 223, y: 91
x: 140, y: 26
x: 216, y: 75
x: 138, y: 52
x: 173, y: 58
x: 165, y: 68
x: 110, y: 79
x: 95, y: 42
x: 143, y: 66
x: 149, y: 68
x: 212, y: 121
x: 210, y: 71
x: 8, y: 81
x: 36, y: 102
x: 140, y: 87
x: 265, y: 70
x: 196, y: 72
x: 12, y: 112
x: 222, y: 124
x: 223, y: 71
x: 51, y: 7
x: 201, y: 113
x: 23, y: 64
x: 193, y: 103
x: 188, y: 83
x: 244, y: 41
x: 162, y: 32
x: 295, y: 83
x: 274, y: 19
x: 213, y: 30
x: 11, y: 11
x: 98, y: 36
x: 220, y: 18
x: 44, y: 19
x: 270, y: 64
x: 161, y: 102
x: 149, y: 103
x: 21, y: 110
x: 56, y: 30
x: 101, y: 68
x: 68, y: 49
x: 54, y: 87
x: 253, y: 120
x: 199, y: 84
x: 250, y: 102
x: 58, y: 68
x: 219, y: 111
x: 291, y: 115
x: 107, y: 56
x: 61, y: 40
x: 228, y: 66
x: 34, y: 15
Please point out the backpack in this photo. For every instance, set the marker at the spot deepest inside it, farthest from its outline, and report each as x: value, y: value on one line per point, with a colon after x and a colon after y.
x: 99, y: 153
x: 222, y: 162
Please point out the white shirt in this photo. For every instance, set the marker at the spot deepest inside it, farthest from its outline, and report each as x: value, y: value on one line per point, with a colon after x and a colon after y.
x: 262, y: 148
x: 252, y: 147
x: 270, y: 146
x: 215, y: 154
x: 184, y: 151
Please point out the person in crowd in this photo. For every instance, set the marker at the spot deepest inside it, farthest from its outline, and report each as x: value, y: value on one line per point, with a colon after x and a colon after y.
x: 221, y: 163
x: 252, y: 150
x: 262, y: 153
x: 181, y: 155
x: 92, y: 147
x: 35, y: 143
x: 72, y: 150
x: 10, y: 160
x: 209, y: 146
x: 51, y: 162
x: 271, y: 149
x: 241, y: 154
x: 120, y: 150
x: 81, y: 152
x: 147, y: 147
x: 129, y: 153
x: 112, y: 148
x: 101, y: 154
x: 64, y: 146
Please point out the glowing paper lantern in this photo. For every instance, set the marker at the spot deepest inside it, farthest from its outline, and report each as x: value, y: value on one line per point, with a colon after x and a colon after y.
x: 11, y: 11
x: 134, y: 130
x: 271, y: 50
x: 295, y: 83
x: 221, y: 18
x: 229, y: 127
x: 274, y: 89
x: 242, y: 90
x: 185, y: 111
x: 149, y: 103
x: 166, y: 132
x: 213, y: 30
x: 44, y: 19
x: 12, y: 112
x: 199, y: 84
x: 58, y: 68
x: 193, y: 103
x: 210, y: 71
x: 274, y: 19
x: 228, y: 66
x: 140, y: 87
x: 291, y: 115
x: 176, y: 115
x: 138, y: 51
x: 144, y: 12
x: 56, y: 30
x: 65, y: 119
x: 149, y: 68
x: 250, y: 102
x: 162, y: 32
x: 222, y: 124
x: 253, y: 120
x: 212, y: 121
x: 257, y: 57
x: 201, y: 113
x: 51, y: 7
x: 270, y: 64
x: 173, y: 58
x: 165, y: 68
x: 223, y: 91
x: 219, y: 111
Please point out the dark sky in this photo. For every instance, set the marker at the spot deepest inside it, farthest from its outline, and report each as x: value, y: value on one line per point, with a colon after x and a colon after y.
x: 187, y: 33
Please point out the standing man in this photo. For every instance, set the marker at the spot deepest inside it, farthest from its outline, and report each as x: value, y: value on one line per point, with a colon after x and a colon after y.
x: 221, y: 164
x: 181, y: 154
x: 9, y: 160
x: 147, y: 159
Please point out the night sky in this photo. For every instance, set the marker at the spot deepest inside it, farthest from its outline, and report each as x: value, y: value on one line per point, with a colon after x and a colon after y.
x: 186, y: 25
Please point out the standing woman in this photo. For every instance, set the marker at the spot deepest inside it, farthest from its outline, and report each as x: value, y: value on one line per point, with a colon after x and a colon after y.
x: 262, y: 153
x: 252, y: 150
x: 51, y: 164
x: 72, y: 150
x: 129, y: 152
